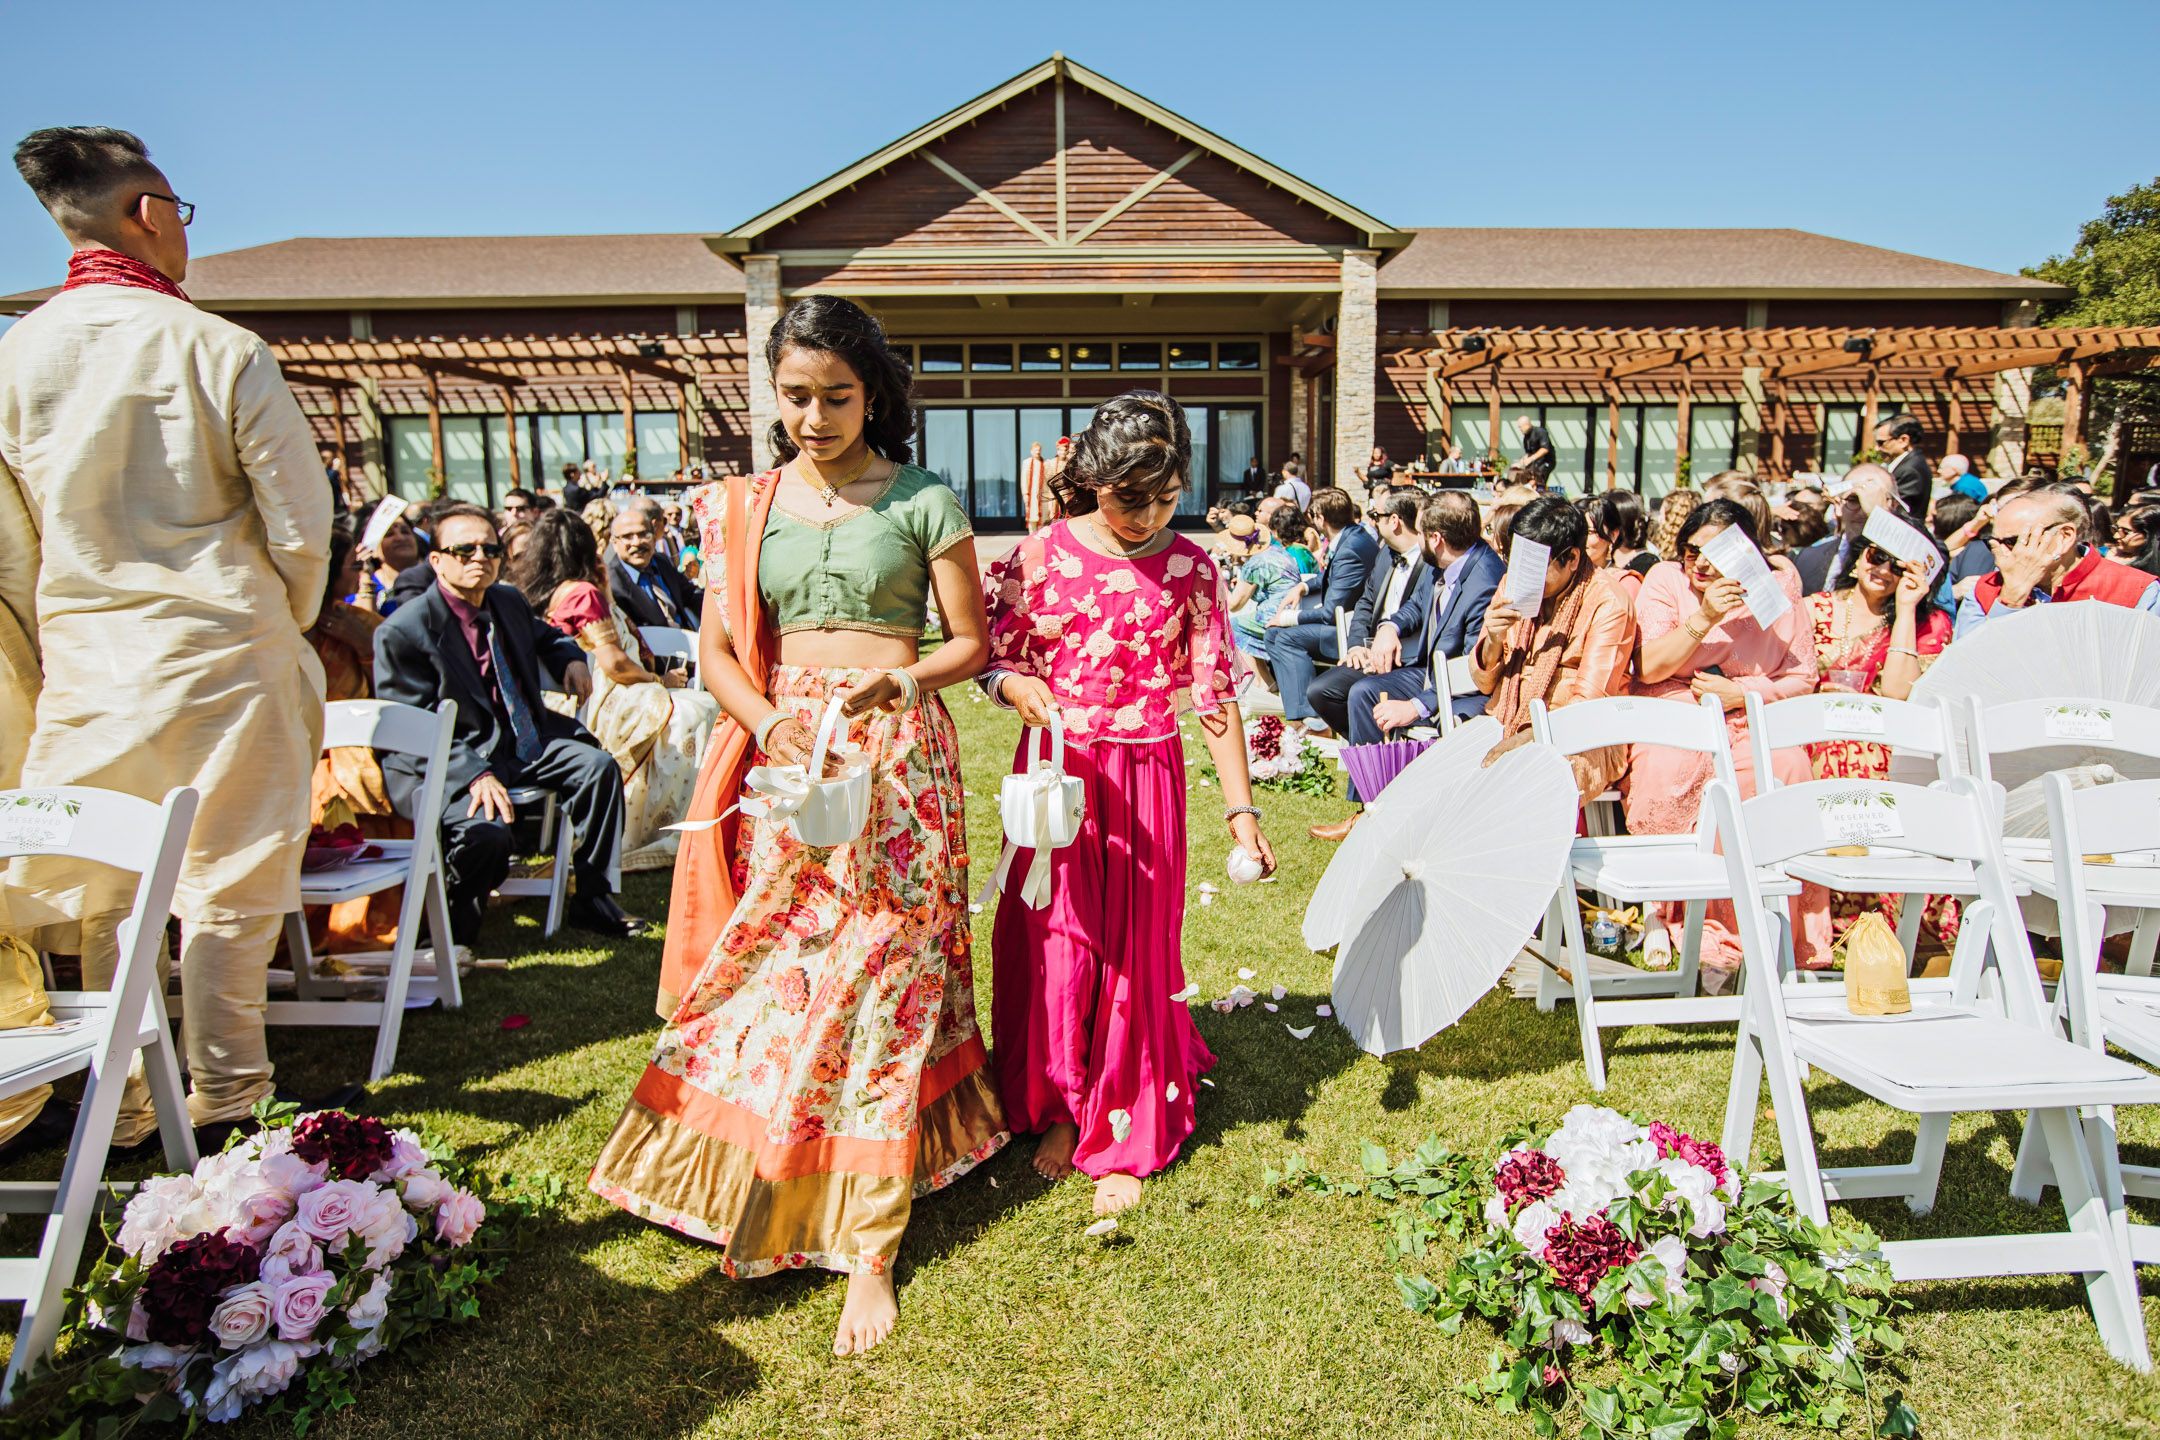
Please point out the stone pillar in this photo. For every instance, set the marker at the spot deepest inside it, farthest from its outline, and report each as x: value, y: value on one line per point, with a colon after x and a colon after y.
x: 1747, y: 437
x: 2013, y: 399
x: 1357, y: 342
x: 761, y: 311
x: 1300, y: 415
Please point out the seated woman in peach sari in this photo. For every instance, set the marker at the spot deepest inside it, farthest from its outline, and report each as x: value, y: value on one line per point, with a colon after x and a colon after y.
x: 651, y: 722
x: 1699, y: 639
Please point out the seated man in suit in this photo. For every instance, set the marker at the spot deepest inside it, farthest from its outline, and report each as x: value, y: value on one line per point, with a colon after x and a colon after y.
x: 478, y: 643
x: 1406, y: 664
x: 650, y: 590
x: 1821, y: 563
x: 1302, y: 632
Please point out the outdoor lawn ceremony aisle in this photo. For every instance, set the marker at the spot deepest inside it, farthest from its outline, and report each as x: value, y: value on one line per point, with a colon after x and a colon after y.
x: 1201, y: 1315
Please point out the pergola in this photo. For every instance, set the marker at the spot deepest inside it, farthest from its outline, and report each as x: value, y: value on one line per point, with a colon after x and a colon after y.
x: 491, y: 375
x: 1758, y: 364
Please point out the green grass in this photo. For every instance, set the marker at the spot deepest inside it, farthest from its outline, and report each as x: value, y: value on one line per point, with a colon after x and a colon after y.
x: 1204, y: 1317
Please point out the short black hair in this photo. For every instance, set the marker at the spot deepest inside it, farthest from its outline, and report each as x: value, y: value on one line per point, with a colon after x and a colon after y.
x: 1402, y: 504
x: 1901, y: 424
x: 74, y: 170
x: 1289, y: 525
x: 1453, y: 516
x: 1721, y: 513
x: 518, y: 494
x: 1553, y: 521
x: 1951, y: 513
x: 456, y: 510
x: 1620, y: 517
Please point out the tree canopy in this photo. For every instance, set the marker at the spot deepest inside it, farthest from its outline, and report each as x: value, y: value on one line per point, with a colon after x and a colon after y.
x: 2114, y: 267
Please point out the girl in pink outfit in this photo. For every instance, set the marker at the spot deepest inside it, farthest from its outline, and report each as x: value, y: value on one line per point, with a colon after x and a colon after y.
x: 1116, y: 623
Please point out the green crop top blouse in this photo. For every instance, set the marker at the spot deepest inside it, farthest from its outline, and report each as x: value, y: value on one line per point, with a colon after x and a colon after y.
x: 868, y: 570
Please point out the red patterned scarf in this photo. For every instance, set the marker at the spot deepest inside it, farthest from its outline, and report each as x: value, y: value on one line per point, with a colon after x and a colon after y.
x: 110, y: 267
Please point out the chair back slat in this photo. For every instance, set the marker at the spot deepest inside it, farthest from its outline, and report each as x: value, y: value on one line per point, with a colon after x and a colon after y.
x: 379, y: 725
x: 2069, y: 723
x: 667, y: 640
x: 2110, y: 818
x: 81, y: 823
x: 1797, y: 819
x: 1815, y: 719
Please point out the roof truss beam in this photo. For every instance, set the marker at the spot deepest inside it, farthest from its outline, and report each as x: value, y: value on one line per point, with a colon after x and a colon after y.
x: 989, y: 199
x: 1139, y: 192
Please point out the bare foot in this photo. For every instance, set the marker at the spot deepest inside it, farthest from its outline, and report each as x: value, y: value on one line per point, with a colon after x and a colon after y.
x: 1054, y: 1152
x: 1116, y: 1192
x: 868, y: 1316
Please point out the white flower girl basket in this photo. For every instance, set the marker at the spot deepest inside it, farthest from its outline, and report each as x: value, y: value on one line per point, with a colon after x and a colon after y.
x: 824, y: 812
x: 1043, y: 809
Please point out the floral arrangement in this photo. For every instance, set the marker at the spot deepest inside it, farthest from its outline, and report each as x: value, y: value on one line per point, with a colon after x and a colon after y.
x: 271, y: 1271
x: 1282, y: 759
x: 1615, y: 1244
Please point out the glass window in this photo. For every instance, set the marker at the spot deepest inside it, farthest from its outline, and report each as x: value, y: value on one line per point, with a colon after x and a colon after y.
x: 996, y: 468
x: 1713, y: 432
x: 1840, y: 434
x: 1090, y: 355
x: 465, y: 459
x: 1195, y: 499
x: 945, y: 447
x: 938, y: 359
x: 1237, y: 439
x: 1570, y: 428
x: 990, y: 357
x: 1041, y: 427
x: 659, y: 443
x: 1511, y: 443
x: 498, y: 450
x: 412, y: 455
x: 604, y: 442
x: 1139, y: 355
x: 1188, y: 355
x: 1470, y: 430
x: 1631, y: 439
x: 1237, y: 355
x: 1660, y: 449
x: 1042, y: 357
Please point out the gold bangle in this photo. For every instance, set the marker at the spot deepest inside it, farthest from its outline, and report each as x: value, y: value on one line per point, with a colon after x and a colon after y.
x: 1699, y: 635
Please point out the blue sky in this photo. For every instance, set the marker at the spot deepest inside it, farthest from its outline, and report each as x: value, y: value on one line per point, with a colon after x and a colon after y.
x: 1942, y: 129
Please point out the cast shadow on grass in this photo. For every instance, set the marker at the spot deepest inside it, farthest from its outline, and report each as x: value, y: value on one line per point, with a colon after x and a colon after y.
x: 1263, y: 1074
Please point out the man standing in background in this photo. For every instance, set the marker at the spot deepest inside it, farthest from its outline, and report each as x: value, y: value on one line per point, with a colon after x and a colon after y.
x: 1537, y: 451
x: 167, y: 524
x: 1899, y: 438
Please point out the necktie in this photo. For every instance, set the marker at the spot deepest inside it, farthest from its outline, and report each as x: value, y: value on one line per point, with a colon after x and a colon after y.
x: 522, y: 728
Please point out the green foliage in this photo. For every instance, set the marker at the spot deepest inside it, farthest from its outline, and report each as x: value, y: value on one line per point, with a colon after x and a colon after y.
x: 2115, y: 266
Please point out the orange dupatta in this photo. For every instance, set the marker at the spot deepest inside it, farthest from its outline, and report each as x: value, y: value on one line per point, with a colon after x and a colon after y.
x: 704, y: 896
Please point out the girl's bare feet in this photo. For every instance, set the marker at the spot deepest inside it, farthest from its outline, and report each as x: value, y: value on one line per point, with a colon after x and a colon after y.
x: 1054, y: 1152
x: 1116, y: 1192
x: 868, y: 1316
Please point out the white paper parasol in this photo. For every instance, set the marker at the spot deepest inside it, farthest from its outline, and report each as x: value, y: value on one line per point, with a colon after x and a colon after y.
x: 1458, y: 904
x: 1400, y: 817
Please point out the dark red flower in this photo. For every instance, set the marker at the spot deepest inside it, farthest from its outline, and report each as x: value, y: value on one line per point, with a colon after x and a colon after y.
x: 186, y: 1283
x: 352, y: 1147
x: 1267, y: 737
x: 1710, y: 1156
x: 1581, y: 1252
x: 1527, y: 1175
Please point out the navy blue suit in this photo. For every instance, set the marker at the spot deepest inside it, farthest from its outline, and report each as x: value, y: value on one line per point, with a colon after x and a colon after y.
x: 1295, y: 651
x: 1458, y: 627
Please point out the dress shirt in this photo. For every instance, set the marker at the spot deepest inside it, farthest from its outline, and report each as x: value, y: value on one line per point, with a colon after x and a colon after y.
x: 472, y: 621
x: 1398, y: 581
x: 1971, y: 617
x: 649, y: 582
x: 1441, y: 597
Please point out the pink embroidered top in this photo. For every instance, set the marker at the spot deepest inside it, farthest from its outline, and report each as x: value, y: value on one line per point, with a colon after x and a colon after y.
x: 1125, y: 645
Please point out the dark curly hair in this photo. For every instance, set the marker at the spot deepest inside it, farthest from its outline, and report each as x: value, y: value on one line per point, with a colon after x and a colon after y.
x: 834, y: 326
x: 1135, y: 442
x: 562, y: 549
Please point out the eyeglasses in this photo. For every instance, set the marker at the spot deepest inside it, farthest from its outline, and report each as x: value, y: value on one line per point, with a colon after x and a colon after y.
x: 1876, y: 555
x: 489, y: 548
x: 186, y: 208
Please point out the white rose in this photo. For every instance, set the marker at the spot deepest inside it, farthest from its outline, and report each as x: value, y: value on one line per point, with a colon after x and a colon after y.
x: 151, y: 1223
x: 1569, y: 1332
x: 1697, y: 1186
x: 1774, y: 1285
x: 289, y: 1173
x: 162, y: 1359
x: 386, y: 1225
x: 253, y: 1374
x: 1671, y: 1254
x: 1531, y: 1223
x: 373, y: 1306
x: 243, y: 1317
x: 1496, y: 1216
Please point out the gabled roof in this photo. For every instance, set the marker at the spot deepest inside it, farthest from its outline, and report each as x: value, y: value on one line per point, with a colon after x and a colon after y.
x: 742, y: 239
x: 1757, y: 264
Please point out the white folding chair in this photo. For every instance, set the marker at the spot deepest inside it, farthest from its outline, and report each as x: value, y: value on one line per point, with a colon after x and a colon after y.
x: 416, y: 864
x: 1952, y: 1055
x: 100, y: 1032
x: 1637, y: 870
x: 667, y: 641
x: 1342, y: 633
x: 1459, y: 682
x: 1908, y: 729
x: 556, y: 837
x: 2107, y: 726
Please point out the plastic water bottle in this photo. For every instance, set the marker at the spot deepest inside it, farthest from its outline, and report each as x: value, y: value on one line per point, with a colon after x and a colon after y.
x: 1605, y: 935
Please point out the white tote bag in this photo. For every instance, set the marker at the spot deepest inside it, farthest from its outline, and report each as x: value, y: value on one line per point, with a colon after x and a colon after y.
x: 825, y: 812
x: 1043, y: 809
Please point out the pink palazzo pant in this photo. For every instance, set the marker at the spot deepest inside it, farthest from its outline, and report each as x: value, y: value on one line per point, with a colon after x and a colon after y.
x: 1081, y: 1013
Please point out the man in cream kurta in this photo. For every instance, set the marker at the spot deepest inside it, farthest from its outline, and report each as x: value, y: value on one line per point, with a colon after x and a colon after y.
x: 178, y: 520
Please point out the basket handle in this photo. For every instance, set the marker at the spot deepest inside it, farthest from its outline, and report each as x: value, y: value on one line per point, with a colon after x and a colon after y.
x: 1056, y: 728
x: 824, y: 740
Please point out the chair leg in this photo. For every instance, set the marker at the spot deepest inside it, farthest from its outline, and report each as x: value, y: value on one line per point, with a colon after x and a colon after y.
x: 448, y: 984
x: 2143, y: 942
x: 1554, y: 946
x: 1928, y: 1145
x: 1741, y: 1094
x: 398, y: 984
x: 1910, y: 910
x: 302, y: 955
x: 1690, y: 976
x: 161, y: 1072
x: 559, y: 884
x: 2032, y: 1174
x: 1796, y: 1130
x: 1578, y: 962
x: 2093, y: 1211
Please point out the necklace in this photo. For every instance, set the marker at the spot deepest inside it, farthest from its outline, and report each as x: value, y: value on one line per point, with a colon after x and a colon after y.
x: 1844, y: 627
x: 1110, y: 541
x: 830, y: 493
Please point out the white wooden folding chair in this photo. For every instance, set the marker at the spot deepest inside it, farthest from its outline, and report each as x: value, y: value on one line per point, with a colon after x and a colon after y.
x: 667, y: 641
x: 1951, y: 1055
x: 1459, y: 681
x: 557, y: 839
x: 1919, y: 730
x: 99, y: 1032
x: 416, y: 864
x: 2100, y: 725
x: 1637, y: 870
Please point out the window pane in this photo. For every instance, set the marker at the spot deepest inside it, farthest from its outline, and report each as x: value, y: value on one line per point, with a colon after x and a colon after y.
x: 1470, y: 428
x: 1195, y: 499
x: 562, y: 442
x: 1511, y: 444
x: 412, y: 455
x: 1139, y: 355
x: 1042, y: 357
x: 464, y: 459
x: 1188, y: 355
x: 659, y: 443
x: 1569, y: 426
x: 1237, y: 439
x: 997, y: 487
x: 1238, y: 355
x: 990, y: 357
x: 937, y: 358
x: 1630, y: 445
x: 1090, y: 355
x: 1041, y: 427
x: 499, y: 455
x: 604, y: 442
x: 1660, y: 448
x: 1841, y: 428
x: 1713, y: 431
x: 945, y: 448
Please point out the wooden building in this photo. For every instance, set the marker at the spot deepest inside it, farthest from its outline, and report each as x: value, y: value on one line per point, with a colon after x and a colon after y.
x: 1060, y: 239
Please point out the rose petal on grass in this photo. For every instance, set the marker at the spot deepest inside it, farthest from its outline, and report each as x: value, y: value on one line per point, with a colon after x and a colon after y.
x: 1101, y: 1228
x: 1278, y: 992
x: 974, y: 909
x: 1208, y: 888
x: 1207, y: 899
x: 516, y: 1022
x: 1207, y: 1082
x: 1298, y: 1034
x: 1120, y: 1125
x: 1270, y: 1006
x: 1191, y: 989
x: 1246, y: 974
x: 1323, y: 1011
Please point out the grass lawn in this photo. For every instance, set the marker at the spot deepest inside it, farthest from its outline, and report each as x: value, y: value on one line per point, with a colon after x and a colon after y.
x: 1204, y: 1317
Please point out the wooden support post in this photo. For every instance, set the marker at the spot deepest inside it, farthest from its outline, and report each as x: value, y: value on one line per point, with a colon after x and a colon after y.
x: 439, y: 472
x: 1957, y: 426
x: 510, y: 434
x: 337, y: 443
x: 2073, y: 433
x: 1492, y: 417
x: 629, y: 423
x: 1777, y: 433
x: 1612, y: 439
x: 1683, y: 453
x: 1447, y: 416
x: 1865, y: 440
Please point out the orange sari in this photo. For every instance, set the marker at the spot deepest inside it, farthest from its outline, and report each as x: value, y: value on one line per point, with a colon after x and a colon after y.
x: 348, y: 787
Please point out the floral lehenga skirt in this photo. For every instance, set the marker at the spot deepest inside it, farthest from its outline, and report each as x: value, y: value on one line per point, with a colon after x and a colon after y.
x: 826, y: 1067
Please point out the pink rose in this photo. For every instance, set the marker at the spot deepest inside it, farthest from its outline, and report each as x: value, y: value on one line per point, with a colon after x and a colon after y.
x: 289, y: 1173
x: 297, y: 1305
x: 295, y: 1248
x: 425, y: 1189
x: 386, y: 1226
x: 373, y: 1306
x: 459, y: 1217
x: 151, y: 1223
x: 329, y: 1211
x: 406, y: 1157
x: 243, y: 1317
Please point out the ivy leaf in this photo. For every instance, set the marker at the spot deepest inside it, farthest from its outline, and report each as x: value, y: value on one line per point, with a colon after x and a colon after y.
x: 1898, y: 1418
x: 1373, y: 1159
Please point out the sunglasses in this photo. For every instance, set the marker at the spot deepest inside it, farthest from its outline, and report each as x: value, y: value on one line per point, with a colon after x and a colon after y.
x: 1876, y: 555
x: 489, y: 548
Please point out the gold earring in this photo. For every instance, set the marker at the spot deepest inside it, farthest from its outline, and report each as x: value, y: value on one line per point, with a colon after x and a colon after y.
x: 869, y: 413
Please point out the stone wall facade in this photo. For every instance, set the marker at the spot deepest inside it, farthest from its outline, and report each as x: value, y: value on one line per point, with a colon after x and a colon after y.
x: 1357, y: 341
x: 761, y: 312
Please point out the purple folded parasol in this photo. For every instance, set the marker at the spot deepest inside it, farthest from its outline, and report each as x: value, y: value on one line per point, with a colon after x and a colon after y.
x: 1371, y: 767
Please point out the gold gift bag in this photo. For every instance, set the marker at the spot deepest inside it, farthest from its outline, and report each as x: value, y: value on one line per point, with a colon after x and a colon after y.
x: 22, y: 1004
x: 1875, y: 969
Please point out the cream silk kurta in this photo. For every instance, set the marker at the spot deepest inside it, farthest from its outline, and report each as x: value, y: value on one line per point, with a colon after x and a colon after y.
x: 164, y: 529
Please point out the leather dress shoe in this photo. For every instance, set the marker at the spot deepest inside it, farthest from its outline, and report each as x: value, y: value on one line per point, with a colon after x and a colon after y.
x: 1339, y: 831
x: 602, y: 916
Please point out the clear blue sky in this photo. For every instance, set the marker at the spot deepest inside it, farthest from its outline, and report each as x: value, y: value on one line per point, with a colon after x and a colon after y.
x: 1947, y: 129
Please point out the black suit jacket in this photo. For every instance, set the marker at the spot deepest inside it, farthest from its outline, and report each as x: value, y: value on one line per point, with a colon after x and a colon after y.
x: 1408, y: 616
x: 421, y: 659
x: 639, y: 606
x: 1915, y: 483
x: 412, y: 582
x: 1813, y: 563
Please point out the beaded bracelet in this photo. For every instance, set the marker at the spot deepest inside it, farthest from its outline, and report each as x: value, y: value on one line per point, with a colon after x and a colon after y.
x: 910, y: 690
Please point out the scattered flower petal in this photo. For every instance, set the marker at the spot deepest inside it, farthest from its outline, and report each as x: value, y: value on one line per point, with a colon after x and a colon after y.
x: 516, y: 1022
x: 974, y: 909
x: 1207, y: 888
x: 993, y: 1182
x: 1192, y: 988
x: 1120, y: 1125
x: 1207, y: 1082
x: 1170, y: 1092
x: 1278, y: 992
x: 1323, y: 1011
x: 1208, y: 899
x: 1299, y: 1034
x: 1270, y: 1006
x: 1101, y: 1228
x: 1246, y: 974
